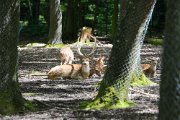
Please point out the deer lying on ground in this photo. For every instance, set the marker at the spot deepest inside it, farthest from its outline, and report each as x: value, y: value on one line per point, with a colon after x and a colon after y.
x: 66, y: 55
x: 150, y: 69
x: 98, y: 67
x: 73, y: 71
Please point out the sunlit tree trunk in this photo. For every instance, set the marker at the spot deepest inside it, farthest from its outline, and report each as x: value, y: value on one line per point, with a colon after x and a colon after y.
x: 55, y: 30
x: 169, y: 107
x: 11, y: 100
x: 125, y: 55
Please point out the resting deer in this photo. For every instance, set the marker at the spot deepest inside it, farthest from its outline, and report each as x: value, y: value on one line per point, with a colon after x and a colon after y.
x: 66, y: 55
x: 73, y: 71
x: 98, y: 67
x: 150, y: 69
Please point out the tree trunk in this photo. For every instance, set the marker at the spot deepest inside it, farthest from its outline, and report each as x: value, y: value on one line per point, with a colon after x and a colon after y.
x: 169, y: 107
x: 125, y: 56
x: 47, y: 12
x: 35, y: 12
x: 55, y: 30
x: 11, y: 100
x: 71, y: 25
x: 97, y: 3
x: 115, y: 19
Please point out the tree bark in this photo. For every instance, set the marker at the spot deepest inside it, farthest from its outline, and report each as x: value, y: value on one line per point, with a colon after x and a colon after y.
x: 169, y: 107
x: 115, y: 19
x: 35, y: 11
x: 11, y: 100
x: 125, y: 55
x: 55, y: 30
x: 71, y: 25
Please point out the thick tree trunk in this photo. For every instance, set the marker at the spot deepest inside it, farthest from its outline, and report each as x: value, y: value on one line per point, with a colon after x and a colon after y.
x: 125, y: 55
x: 169, y: 107
x: 11, y: 100
x: 55, y: 30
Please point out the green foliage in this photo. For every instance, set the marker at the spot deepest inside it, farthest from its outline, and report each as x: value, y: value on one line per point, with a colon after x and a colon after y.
x: 32, y: 30
x: 156, y: 41
x: 30, y: 106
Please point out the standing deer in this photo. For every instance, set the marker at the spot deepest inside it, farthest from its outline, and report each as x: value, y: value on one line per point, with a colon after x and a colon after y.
x: 85, y: 34
x: 73, y: 71
x: 150, y: 69
x: 98, y: 67
x: 66, y: 55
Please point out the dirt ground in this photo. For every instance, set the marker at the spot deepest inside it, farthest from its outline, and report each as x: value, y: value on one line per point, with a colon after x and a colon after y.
x: 63, y: 96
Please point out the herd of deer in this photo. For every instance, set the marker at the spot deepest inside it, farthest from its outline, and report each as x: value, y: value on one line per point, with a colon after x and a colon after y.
x: 77, y: 71
x: 84, y: 70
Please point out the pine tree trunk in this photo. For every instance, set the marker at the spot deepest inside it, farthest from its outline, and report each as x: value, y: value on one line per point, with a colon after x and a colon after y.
x: 169, y: 107
x: 11, y: 100
x: 125, y: 55
x: 55, y: 30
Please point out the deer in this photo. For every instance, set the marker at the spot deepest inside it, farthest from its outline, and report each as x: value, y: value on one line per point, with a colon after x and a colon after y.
x: 66, y: 55
x: 150, y: 69
x: 85, y: 34
x: 73, y: 71
x: 98, y: 67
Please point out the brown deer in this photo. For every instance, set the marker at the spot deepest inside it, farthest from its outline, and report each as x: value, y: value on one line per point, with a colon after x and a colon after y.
x: 85, y: 34
x: 66, y: 55
x: 98, y: 67
x: 73, y: 71
x: 150, y: 69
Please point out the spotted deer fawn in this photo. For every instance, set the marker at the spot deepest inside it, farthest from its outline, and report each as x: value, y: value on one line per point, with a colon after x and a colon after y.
x: 73, y: 71
x: 66, y: 55
x: 98, y: 67
x: 150, y: 69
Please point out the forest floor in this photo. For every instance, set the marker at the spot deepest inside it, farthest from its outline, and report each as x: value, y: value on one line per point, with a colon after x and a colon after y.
x: 63, y: 96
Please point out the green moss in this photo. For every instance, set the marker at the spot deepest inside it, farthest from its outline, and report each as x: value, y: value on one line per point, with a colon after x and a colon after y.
x: 31, y: 106
x: 109, y: 100
x: 156, y: 41
x: 141, y: 80
x: 55, y: 45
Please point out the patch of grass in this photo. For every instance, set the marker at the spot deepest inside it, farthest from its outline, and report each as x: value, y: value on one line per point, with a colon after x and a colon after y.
x: 156, y: 41
x: 55, y: 45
